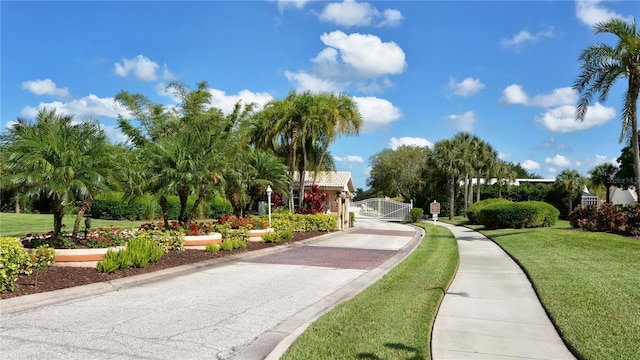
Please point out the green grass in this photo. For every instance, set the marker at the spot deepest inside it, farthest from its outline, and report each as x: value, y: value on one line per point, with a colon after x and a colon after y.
x: 12, y: 224
x: 589, y: 283
x: 392, y: 319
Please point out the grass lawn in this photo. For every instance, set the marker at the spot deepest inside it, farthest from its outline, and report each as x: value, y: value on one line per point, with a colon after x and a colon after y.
x: 392, y: 319
x: 589, y: 283
x: 12, y: 224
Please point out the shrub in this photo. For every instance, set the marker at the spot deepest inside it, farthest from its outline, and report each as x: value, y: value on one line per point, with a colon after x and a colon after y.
x: 109, y: 262
x: 112, y: 205
x: 352, y: 218
x: 474, y: 209
x: 633, y: 221
x: 518, y: 215
x: 138, y: 253
x: 416, y: 214
x: 226, y: 245
x: 220, y: 207
x: 607, y: 218
x: 272, y: 237
x: 212, y: 248
x: 44, y: 257
x: 167, y: 240
x: 14, y: 261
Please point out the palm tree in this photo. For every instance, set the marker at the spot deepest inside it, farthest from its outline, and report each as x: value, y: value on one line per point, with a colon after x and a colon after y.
x: 486, y: 158
x: 447, y: 159
x: 571, y: 183
x: 601, y: 66
x: 604, y: 174
x: 504, y: 173
x: 187, y: 150
x: 467, y: 143
x: 62, y: 159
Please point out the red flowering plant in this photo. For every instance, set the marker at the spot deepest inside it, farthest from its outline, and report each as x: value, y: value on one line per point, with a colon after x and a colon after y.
x: 193, y: 228
x: 313, y: 201
x: 107, y: 237
x: 36, y: 240
x: 249, y: 223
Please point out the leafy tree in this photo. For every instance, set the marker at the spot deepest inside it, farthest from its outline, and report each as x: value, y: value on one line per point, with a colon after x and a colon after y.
x: 602, y: 65
x: 59, y: 158
x: 486, y: 159
x: 467, y: 145
x: 399, y: 172
x: 603, y: 174
x: 504, y: 173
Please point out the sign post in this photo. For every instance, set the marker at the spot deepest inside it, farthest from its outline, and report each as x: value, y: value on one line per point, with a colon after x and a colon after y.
x: 434, y: 209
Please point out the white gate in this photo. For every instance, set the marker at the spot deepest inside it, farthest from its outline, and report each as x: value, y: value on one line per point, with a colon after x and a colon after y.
x: 381, y: 209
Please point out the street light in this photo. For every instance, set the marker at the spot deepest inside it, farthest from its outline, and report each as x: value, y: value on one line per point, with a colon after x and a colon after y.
x: 269, y: 191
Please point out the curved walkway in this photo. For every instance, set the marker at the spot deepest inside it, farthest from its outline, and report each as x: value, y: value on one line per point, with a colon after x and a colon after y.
x: 245, y: 307
x: 491, y: 310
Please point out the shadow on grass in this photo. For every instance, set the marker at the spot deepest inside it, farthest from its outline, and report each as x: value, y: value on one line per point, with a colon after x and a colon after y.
x: 412, y: 353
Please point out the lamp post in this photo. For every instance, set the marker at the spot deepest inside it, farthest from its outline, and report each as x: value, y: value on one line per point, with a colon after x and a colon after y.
x: 269, y: 191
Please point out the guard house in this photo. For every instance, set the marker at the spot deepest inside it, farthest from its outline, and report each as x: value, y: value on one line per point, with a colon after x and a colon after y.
x: 338, y: 185
x: 588, y: 199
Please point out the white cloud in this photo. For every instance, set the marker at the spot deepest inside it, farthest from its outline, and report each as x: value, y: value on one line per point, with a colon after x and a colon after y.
x: 312, y: 82
x: 514, y: 94
x: 591, y: 12
x: 45, y: 87
x: 517, y: 41
x: 351, y: 13
x: 530, y: 165
x: 350, y: 159
x: 504, y: 156
x: 362, y: 56
x: 142, y: 68
x: 562, y: 118
x: 463, y: 122
x: 296, y: 4
x: 558, y: 160
x: 88, y: 106
x: 466, y: 87
x: 376, y: 112
x: 410, y: 141
x: 226, y: 103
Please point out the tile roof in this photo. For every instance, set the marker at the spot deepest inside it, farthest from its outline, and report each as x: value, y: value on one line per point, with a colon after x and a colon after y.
x: 339, y: 180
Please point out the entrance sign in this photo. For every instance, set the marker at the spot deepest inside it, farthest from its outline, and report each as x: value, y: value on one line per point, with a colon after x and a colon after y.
x: 434, y: 209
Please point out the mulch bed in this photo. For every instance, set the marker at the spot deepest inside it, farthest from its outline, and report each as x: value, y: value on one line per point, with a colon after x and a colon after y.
x: 65, y: 277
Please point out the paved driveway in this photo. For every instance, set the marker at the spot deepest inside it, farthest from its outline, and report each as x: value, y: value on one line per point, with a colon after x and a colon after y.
x: 243, y: 309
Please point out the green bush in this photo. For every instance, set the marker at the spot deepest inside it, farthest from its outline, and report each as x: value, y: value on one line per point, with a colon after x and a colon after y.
x: 212, y: 248
x: 138, y: 253
x: 474, y: 209
x: 304, y: 223
x: 518, y: 215
x: 226, y: 245
x: 43, y: 257
x: 112, y: 206
x: 272, y: 237
x: 416, y: 214
x: 352, y: 219
x: 220, y: 207
x: 14, y: 261
x: 167, y: 240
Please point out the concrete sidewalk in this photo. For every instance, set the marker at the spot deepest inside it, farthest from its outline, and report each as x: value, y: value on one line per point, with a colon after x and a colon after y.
x: 491, y: 310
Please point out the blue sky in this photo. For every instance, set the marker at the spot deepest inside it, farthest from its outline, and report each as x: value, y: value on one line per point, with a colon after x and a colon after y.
x: 420, y: 71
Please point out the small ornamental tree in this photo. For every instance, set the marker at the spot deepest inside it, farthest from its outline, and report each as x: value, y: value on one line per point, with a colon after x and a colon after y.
x: 313, y: 201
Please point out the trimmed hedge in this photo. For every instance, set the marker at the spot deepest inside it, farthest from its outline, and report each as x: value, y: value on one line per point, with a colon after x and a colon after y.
x: 302, y: 223
x: 474, y: 209
x: 518, y: 215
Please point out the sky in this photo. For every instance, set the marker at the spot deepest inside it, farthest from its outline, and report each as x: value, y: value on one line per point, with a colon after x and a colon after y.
x: 419, y: 71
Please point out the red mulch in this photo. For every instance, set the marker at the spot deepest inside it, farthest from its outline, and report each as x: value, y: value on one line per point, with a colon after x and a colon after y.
x: 66, y: 277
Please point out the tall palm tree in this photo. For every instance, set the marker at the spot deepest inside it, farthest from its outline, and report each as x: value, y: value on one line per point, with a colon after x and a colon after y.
x: 504, y: 173
x: 602, y: 65
x: 65, y: 160
x: 467, y: 147
x: 604, y: 175
x: 571, y: 183
x: 486, y: 158
x: 447, y: 159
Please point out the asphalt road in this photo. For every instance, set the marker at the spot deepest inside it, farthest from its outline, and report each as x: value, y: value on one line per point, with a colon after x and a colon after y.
x: 252, y: 307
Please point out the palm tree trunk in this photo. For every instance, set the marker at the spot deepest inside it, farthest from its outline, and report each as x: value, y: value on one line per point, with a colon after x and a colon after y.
x: 58, y: 215
x: 86, y: 205
x: 165, y: 209
x: 199, y: 198
x: 451, y: 196
x: 634, y: 90
x: 466, y: 191
x: 478, y: 182
x: 184, y: 195
x: 17, y: 205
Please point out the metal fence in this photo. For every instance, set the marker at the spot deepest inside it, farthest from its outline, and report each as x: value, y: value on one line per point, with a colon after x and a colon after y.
x: 381, y: 209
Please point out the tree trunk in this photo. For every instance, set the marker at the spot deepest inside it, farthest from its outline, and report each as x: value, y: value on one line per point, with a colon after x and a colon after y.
x: 451, y: 196
x: 58, y: 215
x: 478, y: 182
x: 86, y: 205
x: 466, y: 191
x: 165, y: 209
x: 199, y: 198
x: 184, y: 196
x: 302, y: 175
x: 17, y: 205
